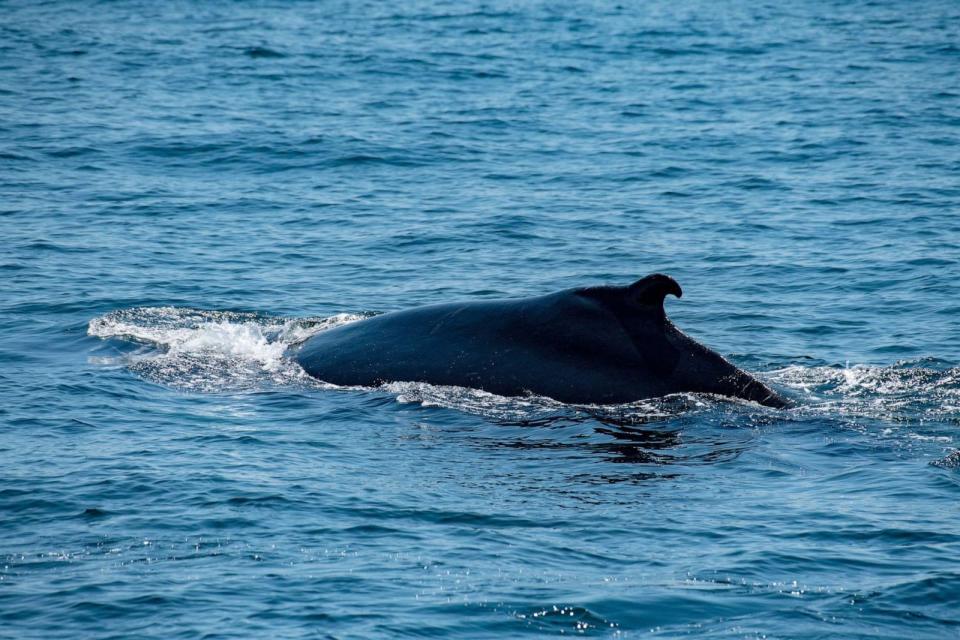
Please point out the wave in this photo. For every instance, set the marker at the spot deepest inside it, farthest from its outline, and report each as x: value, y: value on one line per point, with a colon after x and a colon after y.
x: 210, y: 351
x: 923, y: 389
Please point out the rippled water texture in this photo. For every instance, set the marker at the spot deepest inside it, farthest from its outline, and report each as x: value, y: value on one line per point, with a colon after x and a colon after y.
x: 188, y: 188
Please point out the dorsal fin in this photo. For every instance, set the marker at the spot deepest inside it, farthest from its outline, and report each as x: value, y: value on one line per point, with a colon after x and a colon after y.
x: 651, y: 290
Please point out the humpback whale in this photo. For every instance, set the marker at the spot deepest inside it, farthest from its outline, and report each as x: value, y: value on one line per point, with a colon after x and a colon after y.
x: 592, y: 345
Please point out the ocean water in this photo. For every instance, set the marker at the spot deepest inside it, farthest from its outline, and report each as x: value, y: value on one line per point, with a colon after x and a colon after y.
x: 188, y: 188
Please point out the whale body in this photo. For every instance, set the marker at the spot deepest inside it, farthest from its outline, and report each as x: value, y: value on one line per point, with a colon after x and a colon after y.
x: 593, y: 345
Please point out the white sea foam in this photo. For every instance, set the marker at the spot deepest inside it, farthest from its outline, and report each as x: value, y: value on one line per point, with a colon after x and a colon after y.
x: 905, y: 391
x: 210, y: 350
x: 474, y: 401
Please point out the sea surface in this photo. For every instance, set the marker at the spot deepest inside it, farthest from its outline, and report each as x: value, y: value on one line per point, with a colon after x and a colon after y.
x: 187, y: 188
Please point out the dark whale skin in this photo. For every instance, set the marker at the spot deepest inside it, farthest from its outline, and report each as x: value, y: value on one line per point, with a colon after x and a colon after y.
x: 595, y: 345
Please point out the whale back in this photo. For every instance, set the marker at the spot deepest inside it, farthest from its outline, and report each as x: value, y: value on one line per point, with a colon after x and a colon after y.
x: 595, y: 345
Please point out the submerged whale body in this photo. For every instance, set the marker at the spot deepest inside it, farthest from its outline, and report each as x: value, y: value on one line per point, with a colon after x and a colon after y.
x: 595, y: 345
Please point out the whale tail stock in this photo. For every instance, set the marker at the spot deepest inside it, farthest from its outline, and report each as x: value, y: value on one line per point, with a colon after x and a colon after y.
x: 649, y: 293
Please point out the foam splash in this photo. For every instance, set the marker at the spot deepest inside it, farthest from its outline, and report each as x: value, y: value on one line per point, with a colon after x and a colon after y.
x: 209, y: 350
x: 531, y: 410
x: 906, y: 384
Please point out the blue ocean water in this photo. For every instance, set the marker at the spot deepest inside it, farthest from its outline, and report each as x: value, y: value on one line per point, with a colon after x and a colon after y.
x: 187, y: 188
